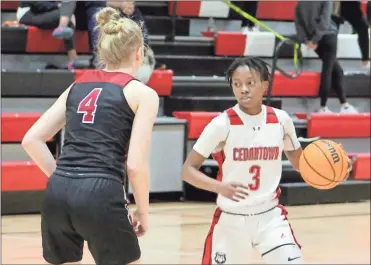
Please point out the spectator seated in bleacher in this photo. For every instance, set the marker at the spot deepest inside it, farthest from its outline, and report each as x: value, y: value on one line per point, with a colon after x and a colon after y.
x: 129, y: 10
x: 85, y: 12
x: 51, y: 15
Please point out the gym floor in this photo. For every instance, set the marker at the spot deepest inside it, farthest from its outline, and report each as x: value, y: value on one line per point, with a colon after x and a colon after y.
x: 329, y: 234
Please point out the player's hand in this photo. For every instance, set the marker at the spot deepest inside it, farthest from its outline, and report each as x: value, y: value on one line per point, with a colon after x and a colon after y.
x: 233, y: 190
x: 350, y: 163
x: 311, y: 45
x: 139, y: 221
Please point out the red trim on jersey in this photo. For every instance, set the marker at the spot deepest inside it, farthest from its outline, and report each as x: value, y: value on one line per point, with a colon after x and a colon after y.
x: 89, y: 76
x: 234, y: 119
x: 278, y: 193
x: 271, y: 115
x: 284, y: 213
x: 208, y: 247
x: 219, y: 158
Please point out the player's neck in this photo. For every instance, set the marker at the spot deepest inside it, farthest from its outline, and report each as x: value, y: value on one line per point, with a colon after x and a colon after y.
x: 252, y: 111
x: 126, y: 70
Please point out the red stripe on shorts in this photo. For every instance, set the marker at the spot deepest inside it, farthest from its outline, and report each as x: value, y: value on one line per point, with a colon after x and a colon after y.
x: 208, y: 247
x: 284, y: 213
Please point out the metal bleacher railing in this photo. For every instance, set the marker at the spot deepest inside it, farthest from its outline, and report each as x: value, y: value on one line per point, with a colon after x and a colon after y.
x: 297, y: 58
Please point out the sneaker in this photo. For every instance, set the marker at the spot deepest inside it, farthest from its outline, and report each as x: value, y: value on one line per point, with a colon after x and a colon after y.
x: 367, y: 67
x: 246, y: 30
x: 63, y: 33
x: 70, y: 66
x: 324, y: 110
x: 348, y: 109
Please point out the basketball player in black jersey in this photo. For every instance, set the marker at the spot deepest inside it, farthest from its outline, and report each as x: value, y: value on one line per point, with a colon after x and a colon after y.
x: 108, y: 118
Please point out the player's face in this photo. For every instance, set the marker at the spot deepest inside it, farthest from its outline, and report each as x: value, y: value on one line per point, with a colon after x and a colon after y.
x: 248, y: 87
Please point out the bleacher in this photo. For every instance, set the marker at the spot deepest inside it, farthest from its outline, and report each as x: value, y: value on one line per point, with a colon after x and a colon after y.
x: 192, y: 90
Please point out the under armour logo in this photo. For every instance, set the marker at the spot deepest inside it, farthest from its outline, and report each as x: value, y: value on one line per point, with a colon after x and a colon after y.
x: 257, y: 128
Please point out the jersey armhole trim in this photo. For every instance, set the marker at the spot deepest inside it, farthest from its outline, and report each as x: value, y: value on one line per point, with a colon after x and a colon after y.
x: 124, y: 97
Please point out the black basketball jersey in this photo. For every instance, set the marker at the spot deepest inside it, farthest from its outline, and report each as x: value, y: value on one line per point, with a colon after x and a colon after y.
x: 98, y: 125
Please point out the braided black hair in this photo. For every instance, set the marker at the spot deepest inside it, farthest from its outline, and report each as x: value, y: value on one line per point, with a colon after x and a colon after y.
x: 254, y: 63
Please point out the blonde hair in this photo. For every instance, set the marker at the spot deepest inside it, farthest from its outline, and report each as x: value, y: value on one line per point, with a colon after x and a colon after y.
x: 118, y: 37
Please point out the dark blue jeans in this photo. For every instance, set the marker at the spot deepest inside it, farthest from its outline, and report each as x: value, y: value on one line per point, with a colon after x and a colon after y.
x: 85, y: 19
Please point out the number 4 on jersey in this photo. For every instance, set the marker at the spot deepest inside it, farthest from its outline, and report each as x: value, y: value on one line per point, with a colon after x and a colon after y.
x: 88, y: 105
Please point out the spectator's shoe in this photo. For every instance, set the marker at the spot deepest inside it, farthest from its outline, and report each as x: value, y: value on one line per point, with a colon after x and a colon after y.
x: 70, y: 66
x: 246, y: 30
x: 348, y: 109
x: 324, y: 110
x: 161, y: 67
x: 63, y: 33
x: 367, y: 67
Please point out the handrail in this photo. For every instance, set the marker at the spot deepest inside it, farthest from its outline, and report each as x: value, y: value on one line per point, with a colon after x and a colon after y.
x: 298, y: 65
x: 171, y: 37
x: 297, y: 58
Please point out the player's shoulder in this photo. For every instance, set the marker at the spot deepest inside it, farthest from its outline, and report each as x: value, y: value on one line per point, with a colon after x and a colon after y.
x: 141, y: 89
x: 220, y: 121
x: 281, y: 114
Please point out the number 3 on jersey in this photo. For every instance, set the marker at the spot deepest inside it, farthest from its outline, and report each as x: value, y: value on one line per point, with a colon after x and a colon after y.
x: 88, y: 106
x: 255, y: 169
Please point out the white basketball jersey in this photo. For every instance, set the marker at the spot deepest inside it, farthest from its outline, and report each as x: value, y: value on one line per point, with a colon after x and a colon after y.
x: 252, y: 155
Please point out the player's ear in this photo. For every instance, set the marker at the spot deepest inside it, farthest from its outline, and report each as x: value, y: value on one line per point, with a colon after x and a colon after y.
x: 140, y: 53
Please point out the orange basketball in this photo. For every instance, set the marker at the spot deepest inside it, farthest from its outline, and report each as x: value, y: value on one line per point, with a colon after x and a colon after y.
x: 323, y: 164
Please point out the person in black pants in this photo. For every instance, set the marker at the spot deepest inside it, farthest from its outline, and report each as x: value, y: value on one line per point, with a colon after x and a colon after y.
x: 46, y: 15
x: 249, y: 7
x: 318, y: 31
x: 351, y: 11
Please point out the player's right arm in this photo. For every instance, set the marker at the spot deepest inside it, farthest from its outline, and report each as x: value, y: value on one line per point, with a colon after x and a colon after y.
x: 214, y: 133
x: 144, y: 102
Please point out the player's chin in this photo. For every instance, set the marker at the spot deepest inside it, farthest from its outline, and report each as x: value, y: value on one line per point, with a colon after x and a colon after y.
x: 246, y: 102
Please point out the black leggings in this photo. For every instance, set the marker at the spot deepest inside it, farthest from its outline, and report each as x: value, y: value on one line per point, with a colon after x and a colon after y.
x: 351, y: 11
x: 50, y: 20
x: 332, y: 73
x: 249, y: 7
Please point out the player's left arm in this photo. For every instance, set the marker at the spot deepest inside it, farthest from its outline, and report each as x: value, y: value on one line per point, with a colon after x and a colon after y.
x: 48, y: 125
x: 292, y: 147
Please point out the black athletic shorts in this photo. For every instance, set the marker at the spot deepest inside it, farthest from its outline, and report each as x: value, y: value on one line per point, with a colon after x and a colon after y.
x: 89, y: 209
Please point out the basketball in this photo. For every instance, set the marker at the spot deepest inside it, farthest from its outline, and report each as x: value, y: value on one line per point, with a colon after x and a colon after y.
x: 323, y: 164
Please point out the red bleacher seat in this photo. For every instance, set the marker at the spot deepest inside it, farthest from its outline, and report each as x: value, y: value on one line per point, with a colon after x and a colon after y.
x: 185, y: 8
x: 22, y: 176
x: 361, y: 167
x: 306, y: 85
x: 42, y: 41
x: 15, y: 125
x: 224, y: 41
x: 161, y: 80
x: 337, y: 125
x: 276, y: 10
x: 196, y: 120
x: 9, y: 5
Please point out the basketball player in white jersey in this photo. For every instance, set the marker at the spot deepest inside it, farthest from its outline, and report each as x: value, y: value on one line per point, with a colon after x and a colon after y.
x: 247, y: 140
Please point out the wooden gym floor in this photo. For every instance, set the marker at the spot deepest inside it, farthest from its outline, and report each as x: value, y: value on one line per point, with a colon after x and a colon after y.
x: 332, y: 234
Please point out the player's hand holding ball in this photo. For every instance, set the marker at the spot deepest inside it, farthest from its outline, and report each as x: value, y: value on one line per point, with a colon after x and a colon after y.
x: 233, y: 190
x: 139, y: 222
x: 324, y: 164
